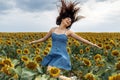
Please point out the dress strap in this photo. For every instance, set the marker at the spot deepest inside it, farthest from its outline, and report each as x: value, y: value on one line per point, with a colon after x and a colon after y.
x: 65, y: 31
x: 55, y: 29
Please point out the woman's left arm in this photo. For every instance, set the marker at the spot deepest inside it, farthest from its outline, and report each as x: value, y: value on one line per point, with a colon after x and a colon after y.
x: 72, y: 34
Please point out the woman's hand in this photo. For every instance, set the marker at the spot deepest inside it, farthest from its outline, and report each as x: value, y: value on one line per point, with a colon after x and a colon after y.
x: 97, y: 46
x: 32, y: 42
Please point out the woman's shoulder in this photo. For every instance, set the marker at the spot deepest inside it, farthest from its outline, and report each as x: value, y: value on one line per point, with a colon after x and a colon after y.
x: 53, y: 28
x: 69, y: 32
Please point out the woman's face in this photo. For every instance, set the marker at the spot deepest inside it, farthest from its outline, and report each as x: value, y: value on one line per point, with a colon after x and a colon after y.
x: 66, y: 21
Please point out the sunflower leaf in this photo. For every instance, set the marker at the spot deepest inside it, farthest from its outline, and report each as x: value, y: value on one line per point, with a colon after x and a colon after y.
x: 15, y: 61
x: 18, y: 70
x: 39, y: 70
x: 27, y: 73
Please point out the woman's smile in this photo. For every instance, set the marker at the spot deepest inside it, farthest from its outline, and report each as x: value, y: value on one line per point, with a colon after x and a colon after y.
x: 67, y: 21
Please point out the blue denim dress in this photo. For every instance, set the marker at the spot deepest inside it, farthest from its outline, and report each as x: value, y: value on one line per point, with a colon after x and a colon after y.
x: 58, y: 56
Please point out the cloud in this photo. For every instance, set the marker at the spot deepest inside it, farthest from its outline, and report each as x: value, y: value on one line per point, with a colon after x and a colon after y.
x: 36, y: 5
x: 28, y: 5
x: 18, y: 20
x: 40, y: 16
x: 100, y: 15
x: 5, y: 5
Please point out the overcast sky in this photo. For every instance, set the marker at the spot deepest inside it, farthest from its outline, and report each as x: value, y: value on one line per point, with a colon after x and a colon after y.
x: 40, y: 16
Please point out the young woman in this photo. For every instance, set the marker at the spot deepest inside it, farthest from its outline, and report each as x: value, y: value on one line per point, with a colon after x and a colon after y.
x: 58, y: 56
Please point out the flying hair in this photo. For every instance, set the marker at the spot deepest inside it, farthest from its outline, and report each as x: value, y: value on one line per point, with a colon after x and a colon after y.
x: 68, y: 9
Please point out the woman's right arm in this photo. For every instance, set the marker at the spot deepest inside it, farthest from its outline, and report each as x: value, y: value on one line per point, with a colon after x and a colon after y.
x: 44, y: 38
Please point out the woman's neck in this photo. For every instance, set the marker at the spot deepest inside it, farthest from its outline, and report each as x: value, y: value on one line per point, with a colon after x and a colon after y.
x: 62, y: 27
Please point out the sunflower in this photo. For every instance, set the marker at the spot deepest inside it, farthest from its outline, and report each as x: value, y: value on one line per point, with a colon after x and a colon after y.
x: 54, y: 72
x: 97, y: 57
x: 80, y: 74
x: 118, y: 76
x: 8, y: 62
x: 7, y: 70
x: 1, y: 41
x: 74, y: 41
x: 19, y: 51
x: 89, y: 76
x: 8, y: 42
x: 68, y: 50
x: 87, y: 62
x: 26, y: 51
x: 36, y: 52
x: 106, y: 53
x: 49, y: 44
x: 25, y: 59
x: 81, y: 51
x: 45, y: 52
x: 69, y: 43
x: 107, y: 47
x: 77, y: 44
x: 87, y: 49
x: 100, y: 45
x: 114, y: 77
x: 34, y: 46
x: 37, y: 49
x: 1, y: 65
x: 76, y: 57
x: 118, y: 58
x: 115, y: 53
x: 112, y: 42
x: 47, y: 49
x: 39, y: 44
x: 38, y: 58
x: 31, y: 65
x: 18, y: 44
x: 118, y: 65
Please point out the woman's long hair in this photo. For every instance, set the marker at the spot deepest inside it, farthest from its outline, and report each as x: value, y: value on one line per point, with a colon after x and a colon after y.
x: 68, y: 9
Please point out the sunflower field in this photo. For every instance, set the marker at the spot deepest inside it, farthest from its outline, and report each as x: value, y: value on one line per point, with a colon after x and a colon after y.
x: 20, y: 60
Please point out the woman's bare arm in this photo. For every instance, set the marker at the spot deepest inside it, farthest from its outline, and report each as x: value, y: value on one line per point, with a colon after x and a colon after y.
x: 44, y: 38
x: 72, y: 34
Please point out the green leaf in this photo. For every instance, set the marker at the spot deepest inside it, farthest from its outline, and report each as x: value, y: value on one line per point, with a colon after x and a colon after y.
x: 15, y: 61
x: 3, y: 52
x: 45, y: 77
x: 38, y: 77
x: 39, y: 70
x: 41, y: 77
x: 18, y: 70
x: 26, y: 73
